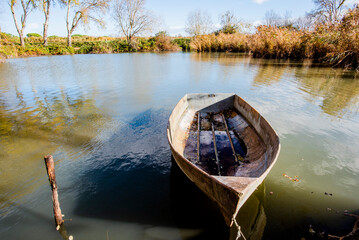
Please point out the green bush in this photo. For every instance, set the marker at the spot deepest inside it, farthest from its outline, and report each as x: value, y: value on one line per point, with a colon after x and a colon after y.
x: 83, y: 48
x: 33, y: 50
x: 8, y: 36
x: 33, y: 35
x: 183, y: 43
x: 8, y: 51
x: 60, y: 50
x: 119, y: 46
x: 146, y: 44
x: 78, y: 35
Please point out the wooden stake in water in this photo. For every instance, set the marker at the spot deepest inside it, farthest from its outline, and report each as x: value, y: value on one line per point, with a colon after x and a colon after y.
x: 50, y: 167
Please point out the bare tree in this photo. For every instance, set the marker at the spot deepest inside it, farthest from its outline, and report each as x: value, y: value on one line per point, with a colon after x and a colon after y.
x: 132, y: 18
x: 198, y: 23
x: 304, y: 23
x: 328, y: 11
x: 230, y: 23
x: 27, y: 6
x: 271, y: 18
x: 84, y: 11
x: 287, y: 20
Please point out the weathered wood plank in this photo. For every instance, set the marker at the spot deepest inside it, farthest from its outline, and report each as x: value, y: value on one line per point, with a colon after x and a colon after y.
x: 50, y: 167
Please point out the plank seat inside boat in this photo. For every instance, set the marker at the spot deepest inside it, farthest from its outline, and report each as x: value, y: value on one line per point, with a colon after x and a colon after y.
x: 222, y: 143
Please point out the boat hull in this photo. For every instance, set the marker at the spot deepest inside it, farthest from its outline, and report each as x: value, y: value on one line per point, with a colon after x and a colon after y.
x: 229, y: 192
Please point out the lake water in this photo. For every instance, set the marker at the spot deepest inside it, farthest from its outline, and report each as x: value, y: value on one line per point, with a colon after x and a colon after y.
x: 104, y: 117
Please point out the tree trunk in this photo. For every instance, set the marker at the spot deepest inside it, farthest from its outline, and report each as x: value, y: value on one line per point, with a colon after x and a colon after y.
x: 129, y: 41
x: 19, y: 31
x: 69, y: 42
x: 22, y: 39
x: 68, y: 24
x: 46, y: 23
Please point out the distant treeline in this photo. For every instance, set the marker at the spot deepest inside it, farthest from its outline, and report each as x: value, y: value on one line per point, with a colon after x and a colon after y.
x: 82, y: 44
x: 336, y: 44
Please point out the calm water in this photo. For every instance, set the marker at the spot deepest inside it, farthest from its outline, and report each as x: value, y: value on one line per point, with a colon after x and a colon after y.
x: 103, y: 117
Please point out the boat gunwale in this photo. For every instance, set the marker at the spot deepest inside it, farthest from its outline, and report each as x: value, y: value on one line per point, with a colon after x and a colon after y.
x: 257, y: 180
x: 184, y: 158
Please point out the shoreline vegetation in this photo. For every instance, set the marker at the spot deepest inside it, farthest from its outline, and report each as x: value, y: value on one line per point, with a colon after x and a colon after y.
x: 333, y: 44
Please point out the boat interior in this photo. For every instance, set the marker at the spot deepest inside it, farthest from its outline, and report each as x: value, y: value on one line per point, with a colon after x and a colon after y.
x: 218, y: 139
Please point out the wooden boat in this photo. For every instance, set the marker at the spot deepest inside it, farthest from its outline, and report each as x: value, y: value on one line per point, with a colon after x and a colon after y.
x: 224, y: 146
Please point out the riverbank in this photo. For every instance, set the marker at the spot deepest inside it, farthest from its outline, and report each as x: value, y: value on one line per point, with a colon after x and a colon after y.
x: 10, y: 48
x: 336, y: 45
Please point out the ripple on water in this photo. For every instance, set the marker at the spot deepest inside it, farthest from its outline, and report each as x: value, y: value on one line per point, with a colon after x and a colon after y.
x: 104, y: 119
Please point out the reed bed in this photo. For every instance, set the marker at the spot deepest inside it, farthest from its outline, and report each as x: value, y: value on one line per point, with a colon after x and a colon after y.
x: 337, y: 45
x: 236, y: 42
x: 275, y: 42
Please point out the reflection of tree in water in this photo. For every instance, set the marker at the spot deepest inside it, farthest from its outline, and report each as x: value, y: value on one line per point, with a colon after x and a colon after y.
x: 268, y: 74
x: 229, y: 60
x: 29, y: 131
x: 226, y: 59
x: 338, y: 91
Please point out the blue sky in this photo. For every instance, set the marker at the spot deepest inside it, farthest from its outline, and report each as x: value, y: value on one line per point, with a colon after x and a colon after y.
x: 173, y: 15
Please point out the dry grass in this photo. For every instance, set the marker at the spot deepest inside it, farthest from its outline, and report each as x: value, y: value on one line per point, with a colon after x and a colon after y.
x: 337, y: 45
x: 220, y: 43
x: 345, y: 37
x: 275, y: 42
x: 165, y: 43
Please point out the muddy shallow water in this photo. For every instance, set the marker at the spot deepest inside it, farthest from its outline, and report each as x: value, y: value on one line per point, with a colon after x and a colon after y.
x: 104, y: 117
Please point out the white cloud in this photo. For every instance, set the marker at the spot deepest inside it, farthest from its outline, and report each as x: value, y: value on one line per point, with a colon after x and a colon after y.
x: 259, y: 1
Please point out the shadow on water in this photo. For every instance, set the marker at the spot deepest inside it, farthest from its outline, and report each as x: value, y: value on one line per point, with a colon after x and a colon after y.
x: 136, y: 195
x: 191, y: 208
x: 131, y: 179
x: 127, y: 179
x: 134, y: 179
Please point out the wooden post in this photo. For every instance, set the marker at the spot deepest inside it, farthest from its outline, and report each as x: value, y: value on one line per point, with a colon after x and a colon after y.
x: 50, y: 167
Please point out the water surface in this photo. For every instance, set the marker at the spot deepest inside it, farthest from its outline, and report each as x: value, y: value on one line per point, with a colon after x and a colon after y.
x: 104, y: 117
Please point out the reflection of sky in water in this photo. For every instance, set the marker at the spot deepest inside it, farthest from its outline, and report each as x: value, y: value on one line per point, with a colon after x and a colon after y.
x: 104, y: 118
